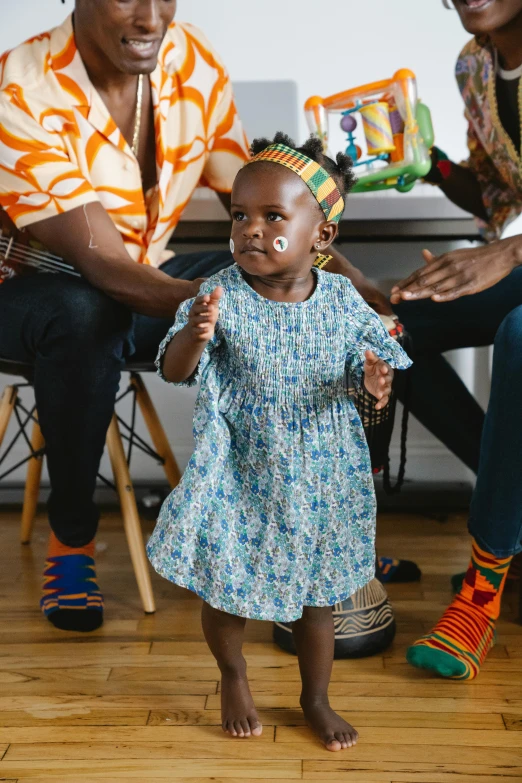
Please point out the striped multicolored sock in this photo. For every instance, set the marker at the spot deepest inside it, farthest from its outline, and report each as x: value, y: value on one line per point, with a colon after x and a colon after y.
x: 71, y: 598
x: 514, y: 574
x: 462, y: 638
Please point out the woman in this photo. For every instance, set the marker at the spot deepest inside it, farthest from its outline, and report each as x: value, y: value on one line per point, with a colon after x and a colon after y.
x: 476, y: 297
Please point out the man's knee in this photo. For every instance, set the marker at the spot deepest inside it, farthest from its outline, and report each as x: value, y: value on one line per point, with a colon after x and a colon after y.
x: 509, y: 335
x: 86, y: 315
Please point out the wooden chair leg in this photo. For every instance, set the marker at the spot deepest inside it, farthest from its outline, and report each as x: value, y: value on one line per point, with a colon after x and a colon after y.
x: 32, y: 485
x: 131, y: 519
x: 156, y: 431
x: 7, y: 403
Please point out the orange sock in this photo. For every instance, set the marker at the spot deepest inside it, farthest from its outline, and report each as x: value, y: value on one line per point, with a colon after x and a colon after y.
x: 462, y: 638
x: 71, y: 598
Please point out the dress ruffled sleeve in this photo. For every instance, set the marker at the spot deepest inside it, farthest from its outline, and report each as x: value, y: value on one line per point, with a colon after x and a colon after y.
x: 366, y: 332
x: 180, y: 321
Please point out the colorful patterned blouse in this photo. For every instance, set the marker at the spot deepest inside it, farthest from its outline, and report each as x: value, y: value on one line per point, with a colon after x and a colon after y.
x: 493, y: 157
x: 60, y: 148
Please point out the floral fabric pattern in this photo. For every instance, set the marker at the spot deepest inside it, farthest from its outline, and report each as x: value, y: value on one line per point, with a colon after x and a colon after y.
x: 492, y: 155
x: 276, y: 508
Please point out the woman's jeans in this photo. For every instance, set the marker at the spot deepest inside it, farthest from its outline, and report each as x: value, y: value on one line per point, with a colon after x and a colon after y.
x: 440, y: 401
x: 79, y: 340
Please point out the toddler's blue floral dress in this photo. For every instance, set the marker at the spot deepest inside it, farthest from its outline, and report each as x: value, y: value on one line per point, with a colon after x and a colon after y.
x: 276, y: 508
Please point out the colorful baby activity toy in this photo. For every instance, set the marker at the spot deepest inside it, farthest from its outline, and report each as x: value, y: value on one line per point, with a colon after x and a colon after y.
x: 396, y: 126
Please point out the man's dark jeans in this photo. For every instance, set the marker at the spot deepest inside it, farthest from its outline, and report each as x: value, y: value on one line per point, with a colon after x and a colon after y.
x: 79, y: 341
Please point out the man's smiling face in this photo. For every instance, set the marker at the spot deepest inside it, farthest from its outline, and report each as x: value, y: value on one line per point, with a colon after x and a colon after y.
x: 128, y: 33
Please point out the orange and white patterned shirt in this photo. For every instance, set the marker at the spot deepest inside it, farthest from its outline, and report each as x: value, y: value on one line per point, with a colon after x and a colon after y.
x: 60, y: 148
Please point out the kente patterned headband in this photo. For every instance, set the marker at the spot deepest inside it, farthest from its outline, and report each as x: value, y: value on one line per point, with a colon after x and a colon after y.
x: 318, y: 180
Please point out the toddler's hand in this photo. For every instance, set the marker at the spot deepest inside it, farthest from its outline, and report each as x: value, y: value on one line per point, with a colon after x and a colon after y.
x: 204, y: 314
x: 378, y: 377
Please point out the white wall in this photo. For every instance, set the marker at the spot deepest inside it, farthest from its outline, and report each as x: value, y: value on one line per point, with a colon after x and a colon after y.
x: 323, y: 53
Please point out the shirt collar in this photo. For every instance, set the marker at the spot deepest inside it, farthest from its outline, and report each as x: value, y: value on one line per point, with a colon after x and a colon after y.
x: 67, y: 64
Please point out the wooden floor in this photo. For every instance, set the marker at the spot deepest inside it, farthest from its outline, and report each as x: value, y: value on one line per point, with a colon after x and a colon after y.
x: 138, y: 700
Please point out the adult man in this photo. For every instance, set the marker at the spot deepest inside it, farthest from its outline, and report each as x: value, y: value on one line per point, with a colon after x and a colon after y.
x: 107, y: 124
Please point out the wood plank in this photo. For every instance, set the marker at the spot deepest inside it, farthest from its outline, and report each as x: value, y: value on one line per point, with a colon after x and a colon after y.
x: 250, y: 750
x: 426, y: 687
x: 360, y: 773
x: 148, y: 687
x: 287, y: 672
x: 482, y: 720
x: 88, y: 779
x: 327, y: 771
x: 71, y: 703
x: 72, y: 717
x: 388, y: 704
x: 83, y: 648
x: 3, y: 749
x: 129, y: 725
x: 512, y: 722
x: 449, y: 778
x: 413, y: 736
x: 95, y: 674
x: 115, y: 733
x: 152, y: 769
x: 492, y: 673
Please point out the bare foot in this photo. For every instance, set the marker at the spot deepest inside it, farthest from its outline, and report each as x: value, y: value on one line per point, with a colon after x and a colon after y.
x: 237, y: 707
x: 332, y: 730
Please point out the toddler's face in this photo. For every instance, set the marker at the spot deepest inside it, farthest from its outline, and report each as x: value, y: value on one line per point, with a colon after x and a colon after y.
x: 276, y: 222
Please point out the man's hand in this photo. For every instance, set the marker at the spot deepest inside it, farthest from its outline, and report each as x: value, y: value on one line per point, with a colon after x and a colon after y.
x: 203, y: 315
x: 378, y: 377
x: 460, y: 272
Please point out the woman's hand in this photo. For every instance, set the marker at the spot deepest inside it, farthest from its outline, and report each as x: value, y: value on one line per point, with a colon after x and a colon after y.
x: 340, y: 265
x: 203, y: 315
x: 460, y: 272
x: 373, y: 297
x: 378, y: 377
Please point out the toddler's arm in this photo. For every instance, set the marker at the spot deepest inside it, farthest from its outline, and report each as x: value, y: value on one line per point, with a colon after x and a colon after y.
x: 378, y: 377
x: 186, y: 347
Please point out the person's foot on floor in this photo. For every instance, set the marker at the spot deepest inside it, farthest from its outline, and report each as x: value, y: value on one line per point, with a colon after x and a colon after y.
x: 333, y: 731
x: 238, y: 713
x: 71, y: 599
x: 394, y: 571
x: 458, y: 645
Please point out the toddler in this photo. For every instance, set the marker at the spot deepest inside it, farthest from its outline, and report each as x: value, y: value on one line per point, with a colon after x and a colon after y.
x: 274, y: 518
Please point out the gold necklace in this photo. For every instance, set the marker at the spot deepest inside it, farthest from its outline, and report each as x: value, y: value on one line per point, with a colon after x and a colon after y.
x: 137, y: 121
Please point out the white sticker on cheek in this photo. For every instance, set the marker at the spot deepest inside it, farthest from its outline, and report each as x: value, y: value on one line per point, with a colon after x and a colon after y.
x: 280, y: 244
x: 232, y: 246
